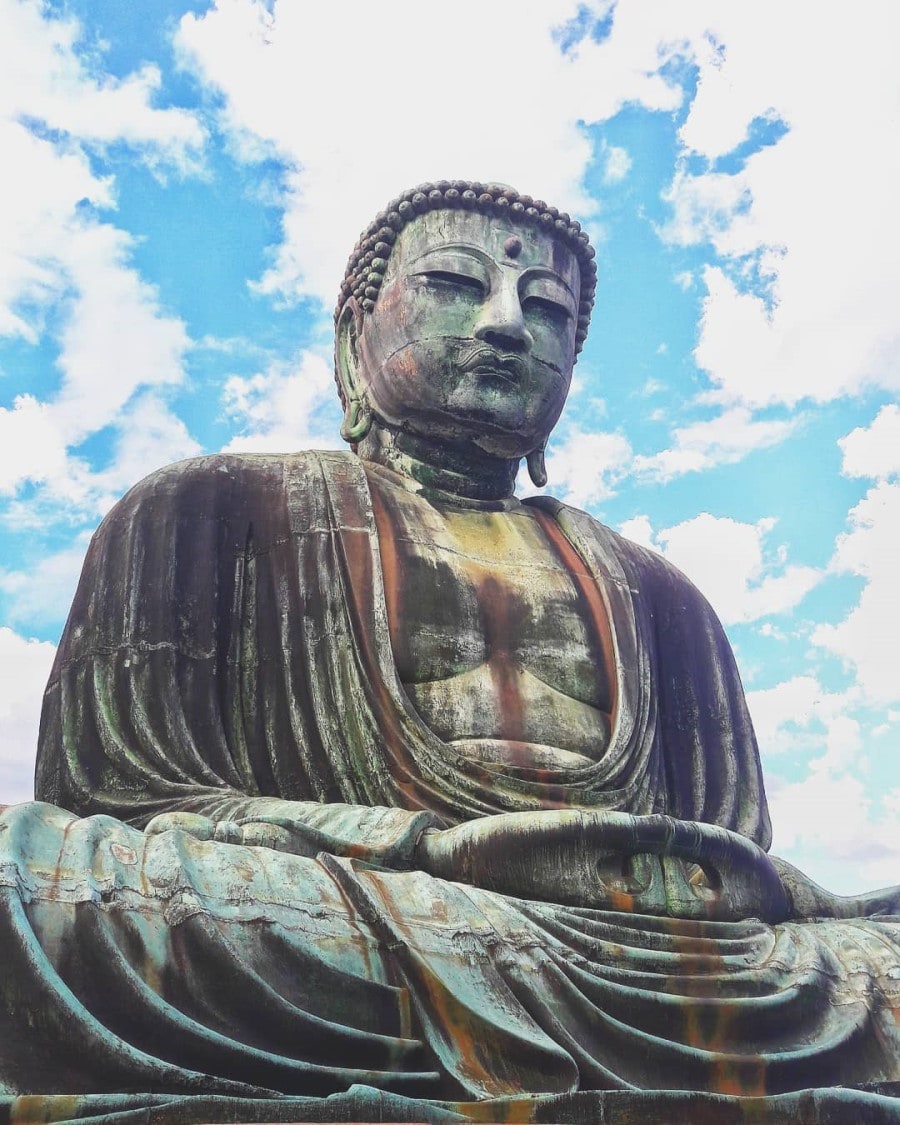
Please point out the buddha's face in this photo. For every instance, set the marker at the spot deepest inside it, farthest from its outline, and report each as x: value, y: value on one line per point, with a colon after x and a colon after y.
x: 472, y: 338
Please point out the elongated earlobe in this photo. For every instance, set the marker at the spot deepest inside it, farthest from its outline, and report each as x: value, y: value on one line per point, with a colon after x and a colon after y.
x: 357, y: 419
x: 537, y: 470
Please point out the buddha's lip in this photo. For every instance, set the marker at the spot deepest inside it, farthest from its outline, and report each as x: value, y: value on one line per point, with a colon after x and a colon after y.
x: 484, y: 360
x: 491, y: 369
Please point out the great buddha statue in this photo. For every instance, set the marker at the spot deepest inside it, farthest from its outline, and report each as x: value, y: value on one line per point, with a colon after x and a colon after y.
x: 367, y: 791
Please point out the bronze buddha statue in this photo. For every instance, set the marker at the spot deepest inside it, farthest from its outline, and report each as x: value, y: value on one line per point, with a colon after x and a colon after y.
x: 357, y: 773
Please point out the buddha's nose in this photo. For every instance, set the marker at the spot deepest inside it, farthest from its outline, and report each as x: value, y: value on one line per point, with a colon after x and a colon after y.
x: 501, y: 322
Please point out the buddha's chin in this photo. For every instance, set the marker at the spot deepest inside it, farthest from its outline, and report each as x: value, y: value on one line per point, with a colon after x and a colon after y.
x: 485, y: 433
x: 508, y: 754
x: 509, y: 434
x: 505, y: 424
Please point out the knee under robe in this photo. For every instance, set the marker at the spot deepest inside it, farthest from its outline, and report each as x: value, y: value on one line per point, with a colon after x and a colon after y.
x: 165, y: 965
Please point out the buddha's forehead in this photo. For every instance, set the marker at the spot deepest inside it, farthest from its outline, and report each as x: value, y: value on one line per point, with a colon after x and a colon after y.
x: 506, y: 242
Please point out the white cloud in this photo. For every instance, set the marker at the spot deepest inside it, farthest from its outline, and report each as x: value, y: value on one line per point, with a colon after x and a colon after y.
x: 146, y: 435
x: 360, y: 116
x: 827, y: 821
x: 39, y: 207
x: 722, y: 440
x: 829, y: 826
x: 704, y: 207
x: 281, y: 409
x: 41, y: 595
x: 26, y: 667
x: 874, y: 451
x: 64, y: 273
x: 617, y: 164
x: 843, y: 744
x: 866, y: 639
x: 584, y: 468
x: 815, y: 211
x: 801, y: 714
x: 116, y: 337
x: 731, y: 563
x: 639, y: 529
x: 50, y: 243
x: 31, y: 444
x: 44, y: 76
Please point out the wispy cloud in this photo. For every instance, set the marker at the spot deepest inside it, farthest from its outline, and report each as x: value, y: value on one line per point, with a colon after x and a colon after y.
x: 866, y: 639
x: 585, y: 468
x: 295, y: 57
x: 26, y: 667
x: 290, y: 405
x: 66, y: 275
x: 616, y: 164
x: 721, y: 440
x: 732, y: 563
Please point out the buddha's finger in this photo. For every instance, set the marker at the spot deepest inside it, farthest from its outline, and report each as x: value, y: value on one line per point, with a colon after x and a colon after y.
x: 259, y: 835
x: 228, y: 832
x: 200, y: 827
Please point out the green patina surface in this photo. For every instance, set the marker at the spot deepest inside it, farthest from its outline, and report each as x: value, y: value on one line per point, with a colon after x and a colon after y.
x: 368, y: 792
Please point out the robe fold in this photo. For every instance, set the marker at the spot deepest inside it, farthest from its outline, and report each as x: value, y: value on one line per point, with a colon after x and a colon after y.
x: 229, y: 641
x: 228, y: 651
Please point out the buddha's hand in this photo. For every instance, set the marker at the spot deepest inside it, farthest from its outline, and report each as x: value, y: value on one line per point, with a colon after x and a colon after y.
x: 612, y: 861
x: 375, y: 834
x: 256, y: 833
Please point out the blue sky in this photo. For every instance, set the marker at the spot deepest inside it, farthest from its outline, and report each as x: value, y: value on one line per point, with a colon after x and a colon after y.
x: 184, y: 181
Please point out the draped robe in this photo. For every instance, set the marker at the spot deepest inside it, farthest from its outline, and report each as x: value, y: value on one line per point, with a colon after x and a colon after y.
x: 227, y: 650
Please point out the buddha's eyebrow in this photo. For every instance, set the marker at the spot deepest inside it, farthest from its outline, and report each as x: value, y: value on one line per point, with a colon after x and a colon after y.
x: 456, y: 247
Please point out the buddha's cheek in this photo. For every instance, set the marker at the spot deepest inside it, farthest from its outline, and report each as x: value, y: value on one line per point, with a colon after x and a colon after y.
x: 411, y: 386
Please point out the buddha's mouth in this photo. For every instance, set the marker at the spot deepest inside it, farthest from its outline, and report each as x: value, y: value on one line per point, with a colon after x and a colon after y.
x: 485, y: 360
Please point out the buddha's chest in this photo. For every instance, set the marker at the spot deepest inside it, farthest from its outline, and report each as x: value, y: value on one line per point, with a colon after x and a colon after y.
x: 487, y: 599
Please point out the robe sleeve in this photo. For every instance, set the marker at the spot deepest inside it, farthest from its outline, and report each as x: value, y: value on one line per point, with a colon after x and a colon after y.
x: 177, y: 685
x: 709, y: 754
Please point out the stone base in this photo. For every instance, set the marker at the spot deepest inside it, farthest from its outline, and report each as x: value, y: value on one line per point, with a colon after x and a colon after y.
x: 835, y: 1106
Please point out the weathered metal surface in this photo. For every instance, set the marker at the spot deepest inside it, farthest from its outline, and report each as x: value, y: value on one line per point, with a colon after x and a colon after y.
x: 390, y: 781
x: 659, y: 1107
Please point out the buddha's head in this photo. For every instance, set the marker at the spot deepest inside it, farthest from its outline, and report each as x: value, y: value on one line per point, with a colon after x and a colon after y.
x: 461, y: 314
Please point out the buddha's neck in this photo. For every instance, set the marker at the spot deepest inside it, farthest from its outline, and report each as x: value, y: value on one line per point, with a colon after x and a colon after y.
x: 468, y: 472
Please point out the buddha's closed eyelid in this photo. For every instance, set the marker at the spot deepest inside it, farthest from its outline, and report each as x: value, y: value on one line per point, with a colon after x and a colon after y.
x: 451, y: 277
x: 453, y: 261
x: 533, y: 302
x: 545, y: 290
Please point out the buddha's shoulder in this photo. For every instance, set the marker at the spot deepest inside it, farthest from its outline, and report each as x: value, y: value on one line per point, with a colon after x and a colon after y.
x: 239, y: 466
x: 233, y: 472
x: 223, y: 485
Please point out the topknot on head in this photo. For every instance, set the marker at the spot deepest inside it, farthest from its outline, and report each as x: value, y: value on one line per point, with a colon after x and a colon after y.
x: 365, y: 269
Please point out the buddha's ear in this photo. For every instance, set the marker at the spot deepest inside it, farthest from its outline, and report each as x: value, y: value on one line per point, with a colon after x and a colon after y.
x: 357, y: 416
x: 346, y: 347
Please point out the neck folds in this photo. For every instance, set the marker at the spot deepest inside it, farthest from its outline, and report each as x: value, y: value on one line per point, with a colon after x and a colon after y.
x: 466, y: 476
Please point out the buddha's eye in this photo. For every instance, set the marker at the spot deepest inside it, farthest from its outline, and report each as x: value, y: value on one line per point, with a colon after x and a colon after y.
x: 544, y: 307
x: 447, y: 280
